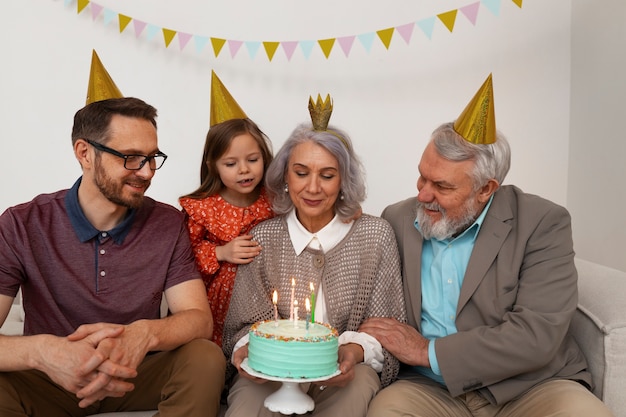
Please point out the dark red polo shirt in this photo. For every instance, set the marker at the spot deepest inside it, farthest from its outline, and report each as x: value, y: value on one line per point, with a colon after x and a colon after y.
x: 72, y: 273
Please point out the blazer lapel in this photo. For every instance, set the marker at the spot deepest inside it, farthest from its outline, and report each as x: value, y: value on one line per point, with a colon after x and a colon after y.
x: 493, y: 232
x: 412, y: 264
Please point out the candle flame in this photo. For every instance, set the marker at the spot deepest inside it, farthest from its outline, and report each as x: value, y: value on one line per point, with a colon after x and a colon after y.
x: 295, y: 303
x: 275, y: 297
x: 307, y: 305
x: 293, y: 282
x: 311, y: 286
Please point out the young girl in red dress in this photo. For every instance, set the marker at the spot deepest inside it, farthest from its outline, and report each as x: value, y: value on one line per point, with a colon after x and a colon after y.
x: 229, y: 202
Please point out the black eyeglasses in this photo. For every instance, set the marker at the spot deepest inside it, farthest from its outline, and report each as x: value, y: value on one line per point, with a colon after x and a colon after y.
x: 133, y: 162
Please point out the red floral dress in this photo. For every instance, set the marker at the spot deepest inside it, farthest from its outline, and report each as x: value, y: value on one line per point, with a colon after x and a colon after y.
x: 214, y: 222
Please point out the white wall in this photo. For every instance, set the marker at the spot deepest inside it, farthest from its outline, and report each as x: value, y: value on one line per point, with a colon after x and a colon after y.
x: 388, y: 100
x: 596, y: 191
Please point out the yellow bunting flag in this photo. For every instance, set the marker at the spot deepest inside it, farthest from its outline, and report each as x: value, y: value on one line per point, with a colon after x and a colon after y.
x: 168, y: 36
x: 124, y: 21
x: 518, y: 3
x: 385, y: 36
x: 270, y: 49
x: 81, y: 4
x: 218, y: 44
x: 448, y: 19
x: 326, y: 45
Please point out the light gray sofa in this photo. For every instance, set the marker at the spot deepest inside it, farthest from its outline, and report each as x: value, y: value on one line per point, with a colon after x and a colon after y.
x: 599, y: 327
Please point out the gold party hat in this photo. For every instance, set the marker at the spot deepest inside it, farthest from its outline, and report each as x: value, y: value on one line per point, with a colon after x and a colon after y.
x: 320, y: 112
x: 101, y: 86
x: 223, y: 105
x: 477, y: 123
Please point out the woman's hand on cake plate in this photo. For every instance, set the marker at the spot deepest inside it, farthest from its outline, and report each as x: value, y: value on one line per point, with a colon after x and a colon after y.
x: 348, y: 356
x: 238, y: 356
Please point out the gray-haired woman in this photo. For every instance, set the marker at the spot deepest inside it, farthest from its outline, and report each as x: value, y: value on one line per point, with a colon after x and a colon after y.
x: 316, y: 185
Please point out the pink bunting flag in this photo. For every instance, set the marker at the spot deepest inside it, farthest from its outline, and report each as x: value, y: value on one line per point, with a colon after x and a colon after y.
x: 139, y: 27
x: 183, y: 39
x: 471, y: 12
x: 289, y: 47
x: 406, y: 31
x: 233, y: 47
x: 346, y: 43
x: 96, y: 9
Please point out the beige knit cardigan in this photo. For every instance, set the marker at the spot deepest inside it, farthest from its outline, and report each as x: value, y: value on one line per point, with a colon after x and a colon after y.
x: 361, y: 278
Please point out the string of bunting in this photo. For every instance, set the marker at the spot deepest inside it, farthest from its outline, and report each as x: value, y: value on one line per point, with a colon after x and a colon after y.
x: 386, y: 35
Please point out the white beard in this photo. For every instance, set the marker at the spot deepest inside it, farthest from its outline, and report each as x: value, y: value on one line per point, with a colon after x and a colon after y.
x: 445, y: 227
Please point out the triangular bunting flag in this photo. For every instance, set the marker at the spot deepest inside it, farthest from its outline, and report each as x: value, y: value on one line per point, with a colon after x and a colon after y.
x: 448, y: 19
x: 183, y: 39
x: 346, y: 44
x: 518, y: 3
x: 270, y: 49
x: 385, y: 36
x: 218, y: 44
x: 95, y: 11
x: 289, y: 47
x: 168, y: 36
x: 80, y: 5
x: 307, y: 48
x: 152, y: 31
x: 124, y: 21
x: 200, y: 42
x: 109, y: 15
x: 493, y: 6
x: 471, y: 12
x: 406, y: 31
x: 253, y: 48
x: 326, y: 45
x: 366, y: 39
x: 233, y: 47
x: 427, y: 25
x: 139, y: 27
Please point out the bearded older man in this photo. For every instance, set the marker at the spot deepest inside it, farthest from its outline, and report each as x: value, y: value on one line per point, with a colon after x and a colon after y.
x: 490, y: 290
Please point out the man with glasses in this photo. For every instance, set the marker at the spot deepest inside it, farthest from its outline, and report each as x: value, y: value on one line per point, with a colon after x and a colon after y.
x: 93, y: 263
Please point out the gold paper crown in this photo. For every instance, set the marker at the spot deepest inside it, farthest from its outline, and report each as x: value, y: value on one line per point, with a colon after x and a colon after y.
x: 223, y: 105
x: 320, y: 112
x: 477, y: 123
x: 101, y: 86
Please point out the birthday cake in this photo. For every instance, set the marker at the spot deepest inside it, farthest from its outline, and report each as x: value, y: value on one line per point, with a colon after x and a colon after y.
x: 282, y: 349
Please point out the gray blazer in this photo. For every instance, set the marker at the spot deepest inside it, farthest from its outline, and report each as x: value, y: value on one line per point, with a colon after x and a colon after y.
x: 517, y: 299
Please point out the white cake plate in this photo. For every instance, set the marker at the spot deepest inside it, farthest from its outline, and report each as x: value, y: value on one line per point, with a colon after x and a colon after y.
x: 289, y: 399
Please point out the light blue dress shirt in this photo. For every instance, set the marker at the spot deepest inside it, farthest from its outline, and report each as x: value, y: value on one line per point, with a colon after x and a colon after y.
x: 443, y: 267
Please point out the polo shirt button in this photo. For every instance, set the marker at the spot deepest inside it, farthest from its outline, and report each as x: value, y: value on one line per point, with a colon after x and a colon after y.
x: 102, y: 251
x: 102, y: 273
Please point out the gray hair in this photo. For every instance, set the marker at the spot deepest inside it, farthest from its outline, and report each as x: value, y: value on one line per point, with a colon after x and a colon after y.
x: 491, y: 161
x: 351, y: 170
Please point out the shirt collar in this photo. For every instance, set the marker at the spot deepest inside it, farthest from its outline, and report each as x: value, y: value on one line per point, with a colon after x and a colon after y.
x: 83, y: 228
x: 324, y: 240
x: 474, y: 228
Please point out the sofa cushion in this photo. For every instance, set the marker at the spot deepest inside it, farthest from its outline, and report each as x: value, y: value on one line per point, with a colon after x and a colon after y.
x: 599, y: 327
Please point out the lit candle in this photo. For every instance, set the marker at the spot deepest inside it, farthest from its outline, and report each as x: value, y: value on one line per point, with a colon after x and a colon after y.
x: 293, y: 292
x: 307, y: 304
x: 312, y: 302
x: 295, y: 313
x: 275, y: 301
